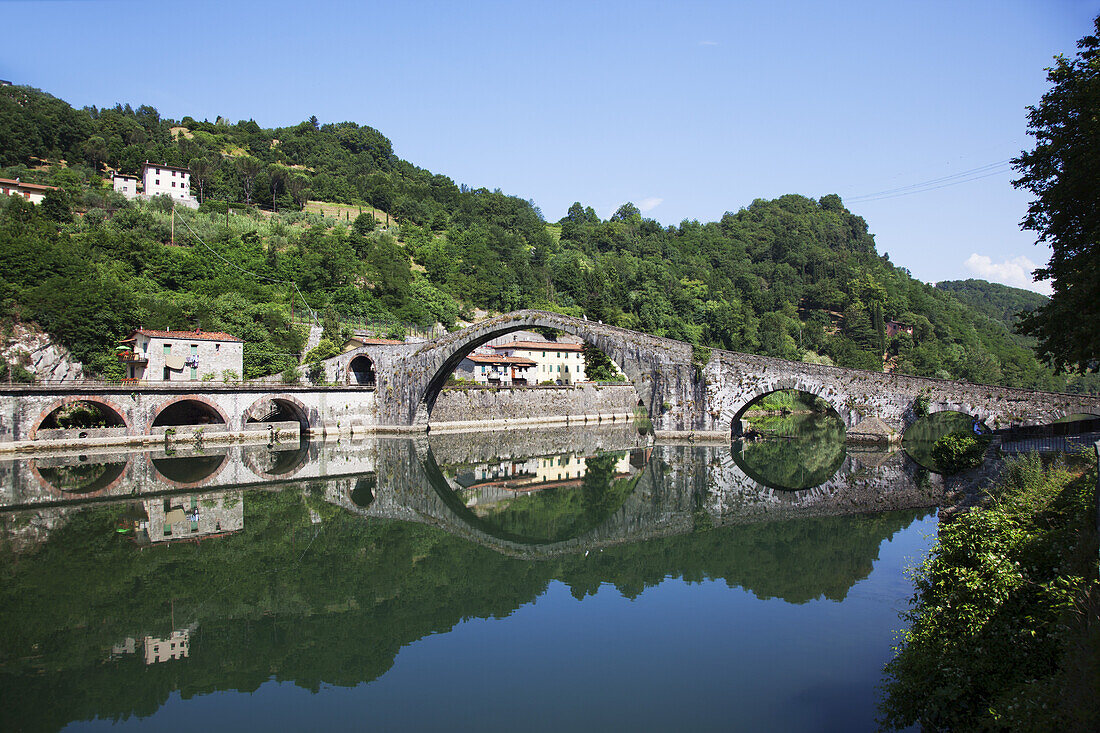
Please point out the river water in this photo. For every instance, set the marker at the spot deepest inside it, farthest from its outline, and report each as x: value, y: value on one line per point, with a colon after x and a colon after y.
x: 567, y: 579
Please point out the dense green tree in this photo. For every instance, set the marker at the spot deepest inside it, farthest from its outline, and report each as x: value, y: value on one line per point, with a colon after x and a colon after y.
x: 1061, y: 172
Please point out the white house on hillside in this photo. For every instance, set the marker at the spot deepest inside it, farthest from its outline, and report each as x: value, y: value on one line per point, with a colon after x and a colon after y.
x: 126, y: 185
x: 32, y: 192
x: 159, y: 179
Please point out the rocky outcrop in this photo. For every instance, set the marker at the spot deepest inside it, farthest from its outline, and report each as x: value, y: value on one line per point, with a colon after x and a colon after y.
x: 32, y: 349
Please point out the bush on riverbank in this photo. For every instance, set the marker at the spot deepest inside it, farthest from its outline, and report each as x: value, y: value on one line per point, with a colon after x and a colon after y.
x: 1003, y: 630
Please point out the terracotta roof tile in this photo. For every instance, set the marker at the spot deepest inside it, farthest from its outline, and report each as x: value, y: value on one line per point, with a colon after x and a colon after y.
x: 492, y: 359
x: 542, y: 346
x: 192, y: 335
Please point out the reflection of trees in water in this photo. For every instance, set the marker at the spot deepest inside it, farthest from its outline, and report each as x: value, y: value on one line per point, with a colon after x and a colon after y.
x: 810, y: 454
x: 82, y: 478
x: 923, y: 434
x: 265, y: 608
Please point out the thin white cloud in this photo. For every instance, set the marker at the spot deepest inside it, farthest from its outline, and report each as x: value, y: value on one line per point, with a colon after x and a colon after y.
x: 1015, y: 272
x: 708, y: 43
x: 647, y: 205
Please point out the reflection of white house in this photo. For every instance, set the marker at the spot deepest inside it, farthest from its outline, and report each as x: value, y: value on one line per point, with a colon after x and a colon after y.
x: 488, y: 483
x: 162, y: 650
x: 180, y: 356
x: 191, y: 517
x: 495, y: 369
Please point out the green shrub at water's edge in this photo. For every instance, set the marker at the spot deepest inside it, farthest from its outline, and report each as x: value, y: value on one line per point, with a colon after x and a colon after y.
x: 958, y: 451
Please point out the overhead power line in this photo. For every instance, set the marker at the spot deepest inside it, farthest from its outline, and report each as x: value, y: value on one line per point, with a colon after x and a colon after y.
x: 291, y: 283
x: 974, y: 174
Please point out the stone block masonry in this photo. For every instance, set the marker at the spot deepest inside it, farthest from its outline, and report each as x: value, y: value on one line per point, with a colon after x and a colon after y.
x: 493, y: 409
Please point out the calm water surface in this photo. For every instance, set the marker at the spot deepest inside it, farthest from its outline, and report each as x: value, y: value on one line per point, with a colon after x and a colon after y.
x: 536, y: 581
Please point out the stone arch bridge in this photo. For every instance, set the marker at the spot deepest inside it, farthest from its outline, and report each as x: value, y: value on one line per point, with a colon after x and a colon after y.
x: 393, y: 387
x: 686, y: 390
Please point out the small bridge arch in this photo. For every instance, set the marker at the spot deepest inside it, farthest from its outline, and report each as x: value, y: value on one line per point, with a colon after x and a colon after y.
x: 280, y: 407
x: 183, y: 408
x: 361, y: 372
x: 114, y: 414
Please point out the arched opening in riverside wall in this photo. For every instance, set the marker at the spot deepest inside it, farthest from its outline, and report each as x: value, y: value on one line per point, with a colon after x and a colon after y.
x: 530, y: 374
x: 789, y: 440
x: 920, y: 438
x: 80, y: 415
x: 187, y: 411
x: 361, y: 372
x: 277, y: 409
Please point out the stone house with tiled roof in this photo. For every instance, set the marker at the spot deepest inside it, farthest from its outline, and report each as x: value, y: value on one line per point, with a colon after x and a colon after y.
x: 496, y: 369
x: 180, y: 356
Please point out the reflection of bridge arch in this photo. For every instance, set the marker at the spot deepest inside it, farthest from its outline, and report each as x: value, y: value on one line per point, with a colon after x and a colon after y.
x: 282, y: 464
x: 106, y: 407
x: 448, y: 352
x: 489, y: 534
x: 363, y: 494
x: 181, y: 408
x: 732, y: 415
x: 188, y: 472
x: 102, y: 484
x: 763, y: 481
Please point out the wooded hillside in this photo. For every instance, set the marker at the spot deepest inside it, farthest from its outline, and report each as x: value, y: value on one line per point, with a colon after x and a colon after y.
x: 792, y: 277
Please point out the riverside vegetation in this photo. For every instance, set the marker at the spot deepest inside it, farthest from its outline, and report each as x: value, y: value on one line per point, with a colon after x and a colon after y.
x: 793, y: 277
x: 1003, y: 631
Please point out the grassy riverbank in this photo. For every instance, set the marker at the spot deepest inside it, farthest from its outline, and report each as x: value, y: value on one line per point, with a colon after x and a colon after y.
x: 1003, y: 628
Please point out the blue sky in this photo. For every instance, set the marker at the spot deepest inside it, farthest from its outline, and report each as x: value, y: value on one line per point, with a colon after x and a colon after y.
x: 688, y: 109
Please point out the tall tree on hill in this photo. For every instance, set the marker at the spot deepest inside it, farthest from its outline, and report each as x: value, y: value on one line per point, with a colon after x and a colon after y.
x: 1063, y: 172
x: 298, y: 187
x: 249, y: 168
x: 276, y: 177
x: 201, y: 170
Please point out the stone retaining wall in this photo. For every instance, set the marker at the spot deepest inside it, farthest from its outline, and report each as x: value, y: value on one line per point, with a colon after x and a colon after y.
x: 533, y: 405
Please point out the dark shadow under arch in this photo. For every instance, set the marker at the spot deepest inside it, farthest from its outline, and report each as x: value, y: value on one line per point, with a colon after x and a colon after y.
x: 189, y: 411
x: 361, y: 371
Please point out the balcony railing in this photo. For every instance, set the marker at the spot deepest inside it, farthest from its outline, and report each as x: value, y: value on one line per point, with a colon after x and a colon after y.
x: 132, y: 357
